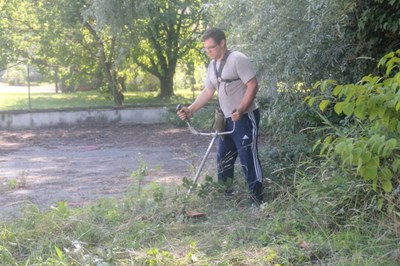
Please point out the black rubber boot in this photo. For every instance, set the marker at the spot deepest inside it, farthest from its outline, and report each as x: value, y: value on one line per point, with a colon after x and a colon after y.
x: 257, y: 196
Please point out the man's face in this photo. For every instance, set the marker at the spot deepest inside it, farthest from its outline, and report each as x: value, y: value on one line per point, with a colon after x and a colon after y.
x: 213, y: 49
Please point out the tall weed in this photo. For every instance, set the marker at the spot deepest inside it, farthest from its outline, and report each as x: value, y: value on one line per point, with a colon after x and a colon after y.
x: 287, y: 127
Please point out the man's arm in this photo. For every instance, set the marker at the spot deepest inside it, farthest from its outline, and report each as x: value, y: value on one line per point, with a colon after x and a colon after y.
x: 204, y: 97
x: 248, y: 98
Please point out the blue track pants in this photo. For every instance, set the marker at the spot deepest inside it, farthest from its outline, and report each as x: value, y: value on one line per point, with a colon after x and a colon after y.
x: 242, y: 142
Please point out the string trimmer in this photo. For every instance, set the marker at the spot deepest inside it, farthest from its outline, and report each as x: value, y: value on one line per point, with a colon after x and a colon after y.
x: 214, y: 136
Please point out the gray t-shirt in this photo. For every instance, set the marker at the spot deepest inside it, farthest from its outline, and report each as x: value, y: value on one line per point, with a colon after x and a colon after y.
x: 238, y: 68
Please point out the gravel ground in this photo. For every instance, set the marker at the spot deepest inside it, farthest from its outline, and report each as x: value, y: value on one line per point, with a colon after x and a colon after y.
x: 82, y: 164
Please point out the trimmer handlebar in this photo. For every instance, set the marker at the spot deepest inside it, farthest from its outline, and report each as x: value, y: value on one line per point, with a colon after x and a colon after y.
x: 195, y: 132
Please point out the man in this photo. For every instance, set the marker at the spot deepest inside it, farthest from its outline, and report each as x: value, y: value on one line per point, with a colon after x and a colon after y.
x: 231, y: 74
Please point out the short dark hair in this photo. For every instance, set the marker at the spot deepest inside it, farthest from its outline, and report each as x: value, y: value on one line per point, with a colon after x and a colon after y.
x: 216, y: 34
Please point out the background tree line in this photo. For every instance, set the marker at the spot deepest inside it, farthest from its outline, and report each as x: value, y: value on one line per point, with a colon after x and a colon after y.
x: 104, y: 42
x: 306, y: 40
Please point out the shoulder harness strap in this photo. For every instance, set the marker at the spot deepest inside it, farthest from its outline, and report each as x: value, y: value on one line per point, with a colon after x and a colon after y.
x: 221, y: 67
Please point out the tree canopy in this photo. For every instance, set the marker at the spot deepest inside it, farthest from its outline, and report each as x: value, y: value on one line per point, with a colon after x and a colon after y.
x: 304, y: 41
x: 168, y: 30
x: 99, y: 41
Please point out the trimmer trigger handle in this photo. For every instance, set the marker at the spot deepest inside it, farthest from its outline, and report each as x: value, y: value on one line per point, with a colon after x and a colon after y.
x: 178, y: 107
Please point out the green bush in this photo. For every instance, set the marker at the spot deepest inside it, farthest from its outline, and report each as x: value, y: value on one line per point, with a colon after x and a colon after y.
x: 366, y: 141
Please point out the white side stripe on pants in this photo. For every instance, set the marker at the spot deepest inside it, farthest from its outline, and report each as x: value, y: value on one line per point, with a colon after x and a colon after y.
x: 256, y: 162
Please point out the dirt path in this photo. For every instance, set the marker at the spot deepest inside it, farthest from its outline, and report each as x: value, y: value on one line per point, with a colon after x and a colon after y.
x: 82, y: 164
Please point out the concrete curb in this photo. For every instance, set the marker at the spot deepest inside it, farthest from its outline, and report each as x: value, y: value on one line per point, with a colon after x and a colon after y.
x: 32, y: 119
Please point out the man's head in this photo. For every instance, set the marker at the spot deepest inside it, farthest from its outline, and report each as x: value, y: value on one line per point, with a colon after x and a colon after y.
x: 216, y: 34
x: 214, y: 41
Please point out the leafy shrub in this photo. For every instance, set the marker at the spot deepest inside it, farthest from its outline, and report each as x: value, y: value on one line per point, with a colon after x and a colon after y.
x: 367, y: 139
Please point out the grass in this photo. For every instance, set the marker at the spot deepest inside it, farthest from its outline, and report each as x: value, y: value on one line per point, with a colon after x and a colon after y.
x: 143, y: 228
x: 19, y: 100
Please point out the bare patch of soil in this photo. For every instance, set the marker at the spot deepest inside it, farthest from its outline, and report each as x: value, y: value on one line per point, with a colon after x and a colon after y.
x: 82, y: 164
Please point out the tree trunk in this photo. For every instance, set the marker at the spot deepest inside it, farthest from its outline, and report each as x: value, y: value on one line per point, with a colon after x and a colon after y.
x: 167, y: 85
x: 112, y: 83
x: 56, y: 78
x: 166, y: 88
x: 121, y: 81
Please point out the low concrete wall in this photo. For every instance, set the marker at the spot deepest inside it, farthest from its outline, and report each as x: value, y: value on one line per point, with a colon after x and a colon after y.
x: 26, y: 120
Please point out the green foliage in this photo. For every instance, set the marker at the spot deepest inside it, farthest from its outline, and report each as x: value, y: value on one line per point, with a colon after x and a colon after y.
x: 16, y: 76
x: 102, y: 42
x: 298, y: 41
x: 99, y: 43
x: 287, y: 125
x: 13, y: 42
x: 310, y: 40
x: 114, y: 14
x: 201, y: 120
x: 367, y: 139
x: 345, y: 196
x: 374, y: 25
x: 62, y: 209
x: 6, y: 257
x: 157, y: 257
x: 207, y: 188
x: 155, y: 190
x: 137, y: 230
x: 141, y: 171
x: 167, y: 32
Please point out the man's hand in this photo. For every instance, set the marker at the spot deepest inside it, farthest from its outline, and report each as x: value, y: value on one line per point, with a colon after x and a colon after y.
x: 248, y: 98
x: 184, y: 113
x: 236, y: 115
